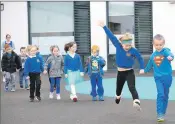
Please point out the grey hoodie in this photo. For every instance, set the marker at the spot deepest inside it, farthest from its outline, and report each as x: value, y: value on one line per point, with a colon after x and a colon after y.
x: 57, y: 66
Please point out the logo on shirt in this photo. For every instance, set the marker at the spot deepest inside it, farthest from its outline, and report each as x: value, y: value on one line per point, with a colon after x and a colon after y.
x: 158, y: 60
x: 128, y: 54
x: 94, y: 65
x: 37, y: 60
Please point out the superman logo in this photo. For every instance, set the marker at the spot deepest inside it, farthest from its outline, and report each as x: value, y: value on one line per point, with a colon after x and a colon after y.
x: 158, y: 60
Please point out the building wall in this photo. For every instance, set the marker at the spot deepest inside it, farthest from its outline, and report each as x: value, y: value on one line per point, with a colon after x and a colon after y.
x: 98, y: 36
x: 14, y: 21
x: 164, y: 23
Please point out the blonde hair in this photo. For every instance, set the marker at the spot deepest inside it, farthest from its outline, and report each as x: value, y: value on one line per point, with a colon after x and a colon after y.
x: 30, y: 47
x: 126, y: 36
x: 95, y: 48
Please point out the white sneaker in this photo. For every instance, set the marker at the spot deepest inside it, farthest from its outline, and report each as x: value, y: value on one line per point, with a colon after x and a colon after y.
x: 51, y: 96
x: 136, y: 104
x: 58, y: 97
x: 12, y: 90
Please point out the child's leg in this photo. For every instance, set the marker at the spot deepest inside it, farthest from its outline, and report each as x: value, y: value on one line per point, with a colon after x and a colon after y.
x: 167, y: 85
x: 13, y: 79
x: 52, y: 82
x: 7, y: 80
x: 131, y: 84
x: 160, y: 96
x: 93, y: 85
x: 132, y: 89
x: 26, y: 82
x: 121, y: 78
x: 38, y: 86
x: 32, y: 85
x: 21, y: 78
x: 100, y: 89
x: 58, y: 79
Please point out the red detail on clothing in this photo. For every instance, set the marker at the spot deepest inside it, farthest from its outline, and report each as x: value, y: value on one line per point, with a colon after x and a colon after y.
x: 158, y: 60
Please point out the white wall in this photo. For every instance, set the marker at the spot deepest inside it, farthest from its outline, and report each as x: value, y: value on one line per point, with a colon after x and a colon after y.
x: 164, y: 23
x: 14, y: 21
x: 98, y: 37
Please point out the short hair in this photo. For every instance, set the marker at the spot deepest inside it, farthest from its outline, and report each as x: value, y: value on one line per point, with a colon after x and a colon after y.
x: 158, y: 37
x: 22, y: 48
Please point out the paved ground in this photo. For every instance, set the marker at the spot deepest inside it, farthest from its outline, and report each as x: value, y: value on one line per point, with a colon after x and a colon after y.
x: 16, y: 109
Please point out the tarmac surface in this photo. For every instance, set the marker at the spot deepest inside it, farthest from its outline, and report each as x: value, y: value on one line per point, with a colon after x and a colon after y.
x: 16, y: 109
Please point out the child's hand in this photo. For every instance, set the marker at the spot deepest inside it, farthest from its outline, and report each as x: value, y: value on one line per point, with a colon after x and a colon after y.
x: 81, y: 74
x: 101, y: 24
x: 142, y: 71
x: 45, y: 72
x: 27, y: 77
x: 66, y: 76
x: 170, y: 58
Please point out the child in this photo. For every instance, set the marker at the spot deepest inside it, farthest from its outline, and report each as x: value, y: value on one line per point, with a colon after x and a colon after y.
x: 9, y: 64
x: 32, y: 69
x: 55, y: 71
x: 94, y: 68
x: 23, y: 57
x: 160, y: 60
x: 73, y: 68
x: 125, y: 57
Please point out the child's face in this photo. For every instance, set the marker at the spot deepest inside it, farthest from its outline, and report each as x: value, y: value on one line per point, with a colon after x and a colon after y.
x: 55, y: 51
x: 127, y: 46
x: 73, y: 48
x: 9, y: 50
x: 158, y: 44
x: 23, y: 52
x: 33, y: 51
x: 95, y: 53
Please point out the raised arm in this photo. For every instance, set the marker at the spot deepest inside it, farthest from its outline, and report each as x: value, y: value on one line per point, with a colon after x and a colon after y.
x: 109, y: 34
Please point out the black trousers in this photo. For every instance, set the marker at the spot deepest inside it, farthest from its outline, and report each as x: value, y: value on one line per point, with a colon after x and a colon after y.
x: 35, y: 84
x: 128, y: 76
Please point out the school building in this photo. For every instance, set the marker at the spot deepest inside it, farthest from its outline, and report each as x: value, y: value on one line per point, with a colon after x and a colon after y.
x: 48, y: 23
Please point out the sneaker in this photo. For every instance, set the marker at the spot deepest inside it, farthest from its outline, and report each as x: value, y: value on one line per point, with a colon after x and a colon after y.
x: 27, y: 88
x: 101, y: 98
x: 75, y: 99
x: 51, y: 95
x: 6, y: 89
x: 117, y: 99
x: 94, y: 98
x: 31, y: 99
x: 58, y: 97
x: 160, y: 119
x: 136, y: 104
x: 21, y: 86
x: 12, y: 90
x: 38, y: 99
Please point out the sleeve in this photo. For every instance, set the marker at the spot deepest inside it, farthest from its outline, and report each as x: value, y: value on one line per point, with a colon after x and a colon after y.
x: 111, y: 36
x: 87, y: 64
x: 48, y: 61
x: 18, y: 62
x: 26, y: 68
x: 167, y: 52
x: 80, y: 63
x: 149, y: 65
x: 13, y: 46
x: 42, y: 63
x: 102, y: 62
x: 3, y: 62
x: 139, y: 58
x: 62, y: 63
x: 65, y: 64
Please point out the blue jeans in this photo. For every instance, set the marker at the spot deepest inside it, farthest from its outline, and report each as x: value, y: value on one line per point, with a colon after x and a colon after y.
x: 22, y: 78
x: 54, y: 81
x: 96, y: 80
x: 163, y: 84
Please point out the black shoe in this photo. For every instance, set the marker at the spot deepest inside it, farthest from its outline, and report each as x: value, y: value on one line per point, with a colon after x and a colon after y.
x: 21, y: 86
x: 117, y: 101
x: 31, y: 99
x: 38, y: 98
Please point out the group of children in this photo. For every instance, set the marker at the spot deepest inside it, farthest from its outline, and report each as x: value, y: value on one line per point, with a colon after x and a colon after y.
x: 72, y: 68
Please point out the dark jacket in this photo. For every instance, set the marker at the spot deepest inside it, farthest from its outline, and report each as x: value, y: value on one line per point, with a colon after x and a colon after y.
x: 10, y: 63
